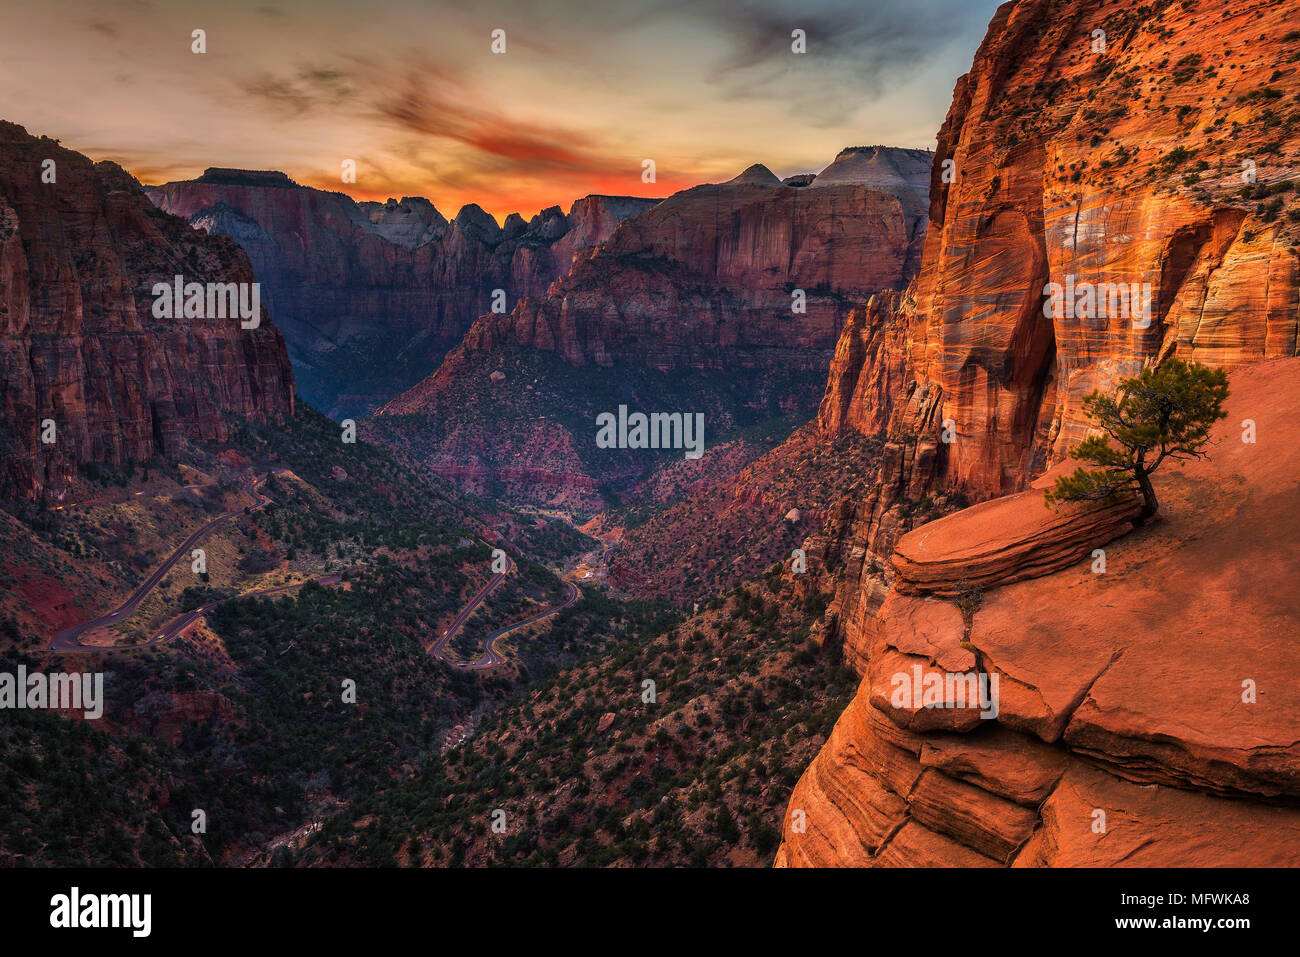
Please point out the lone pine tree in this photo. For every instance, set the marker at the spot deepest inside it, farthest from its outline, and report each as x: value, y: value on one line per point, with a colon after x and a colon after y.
x: 1164, y: 413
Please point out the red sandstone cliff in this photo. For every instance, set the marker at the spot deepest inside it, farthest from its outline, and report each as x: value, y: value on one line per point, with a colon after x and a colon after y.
x: 705, y: 279
x: 688, y: 306
x: 1034, y: 201
x: 78, y: 341
x: 372, y: 295
x: 1144, y: 712
x: 1117, y: 166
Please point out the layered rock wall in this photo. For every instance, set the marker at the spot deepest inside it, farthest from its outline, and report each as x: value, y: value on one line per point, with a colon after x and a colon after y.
x: 1123, y: 166
x: 707, y: 278
x: 79, y: 345
x: 372, y: 295
x: 1164, y: 159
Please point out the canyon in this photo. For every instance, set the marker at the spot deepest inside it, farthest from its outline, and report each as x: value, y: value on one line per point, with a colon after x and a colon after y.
x: 725, y: 299
x: 369, y: 295
x: 885, y: 400
x: 79, y: 345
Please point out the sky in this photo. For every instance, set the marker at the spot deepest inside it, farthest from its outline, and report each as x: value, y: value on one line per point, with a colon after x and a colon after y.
x: 414, y: 95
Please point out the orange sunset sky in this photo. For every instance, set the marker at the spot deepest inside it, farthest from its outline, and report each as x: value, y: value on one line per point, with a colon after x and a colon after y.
x: 413, y: 93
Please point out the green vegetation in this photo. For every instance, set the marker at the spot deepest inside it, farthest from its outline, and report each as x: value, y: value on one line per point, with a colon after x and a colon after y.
x: 716, y: 537
x: 553, y: 542
x: 289, y: 744
x: 1166, y: 412
x: 360, y: 479
x: 252, y: 726
x: 75, y: 796
x: 702, y: 775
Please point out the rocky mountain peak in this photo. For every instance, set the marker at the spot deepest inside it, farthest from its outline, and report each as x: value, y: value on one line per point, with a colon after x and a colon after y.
x: 473, y: 220
x: 222, y: 176
x: 756, y: 175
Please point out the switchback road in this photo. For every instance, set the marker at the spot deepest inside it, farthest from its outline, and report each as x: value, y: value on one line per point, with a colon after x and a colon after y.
x: 69, y: 639
x: 491, y: 657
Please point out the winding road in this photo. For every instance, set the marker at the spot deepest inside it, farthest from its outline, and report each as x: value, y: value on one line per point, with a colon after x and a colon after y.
x: 491, y: 657
x: 69, y: 639
x: 177, y: 625
x: 441, y: 641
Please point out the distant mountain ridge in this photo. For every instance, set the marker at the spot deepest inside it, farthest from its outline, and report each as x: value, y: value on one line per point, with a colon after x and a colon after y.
x: 725, y: 298
x: 372, y: 295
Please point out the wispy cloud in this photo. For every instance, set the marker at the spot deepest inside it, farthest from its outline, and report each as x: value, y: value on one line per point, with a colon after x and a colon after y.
x: 310, y: 88
x: 434, y: 102
x: 854, y: 51
x: 410, y: 90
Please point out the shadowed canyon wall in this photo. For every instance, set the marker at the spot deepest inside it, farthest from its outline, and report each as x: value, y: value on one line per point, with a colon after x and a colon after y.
x: 79, y: 345
x: 372, y: 295
x: 690, y: 306
x: 705, y: 279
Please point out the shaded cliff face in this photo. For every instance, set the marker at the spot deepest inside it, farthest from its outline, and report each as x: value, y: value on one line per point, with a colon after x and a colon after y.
x: 372, y: 295
x: 687, y: 307
x: 706, y: 279
x: 79, y: 344
x: 1071, y: 167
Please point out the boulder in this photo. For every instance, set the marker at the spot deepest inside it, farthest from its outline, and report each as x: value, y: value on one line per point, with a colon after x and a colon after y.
x: 1006, y: 540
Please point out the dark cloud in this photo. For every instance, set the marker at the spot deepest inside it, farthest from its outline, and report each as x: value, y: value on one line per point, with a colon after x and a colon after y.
x: 327, y: 83
x: 854, y: 50
x: 103, y: 27
x: 279, y: 94
x: 310, y: 88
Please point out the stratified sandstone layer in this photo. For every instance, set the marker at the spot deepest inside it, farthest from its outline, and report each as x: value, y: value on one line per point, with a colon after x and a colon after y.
x: 724, y: 299
x: 1157, y: 688
x: 1005, y: 540
x: 372, y: 295
x: 1117, y: 166
x: 1123, y: 165
x: 706, y: 279
x: 79, y: 345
